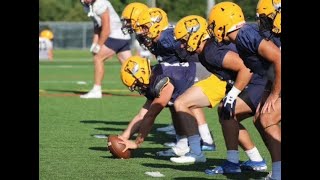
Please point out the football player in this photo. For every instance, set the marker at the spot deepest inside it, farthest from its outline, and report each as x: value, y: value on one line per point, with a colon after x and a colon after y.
x: 231, y: 77
x: 46, y: 45
x: 227, y: 24
x: 129, y: 19
x: 107, y: 40
x: 161, y: 87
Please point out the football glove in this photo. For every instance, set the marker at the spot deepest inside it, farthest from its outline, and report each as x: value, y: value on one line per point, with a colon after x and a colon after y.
x: 229, y: 104
x: 95, y: 48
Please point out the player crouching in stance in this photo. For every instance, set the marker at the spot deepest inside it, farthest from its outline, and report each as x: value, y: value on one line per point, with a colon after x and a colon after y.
x: 161, y: 87
x: 230, y: 77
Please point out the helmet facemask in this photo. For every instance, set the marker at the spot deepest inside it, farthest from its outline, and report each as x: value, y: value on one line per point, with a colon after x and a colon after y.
x: 126, y: 26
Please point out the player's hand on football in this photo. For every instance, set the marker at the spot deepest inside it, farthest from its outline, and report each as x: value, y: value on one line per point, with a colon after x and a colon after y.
x: 269, y: 105
x: 129, y: 144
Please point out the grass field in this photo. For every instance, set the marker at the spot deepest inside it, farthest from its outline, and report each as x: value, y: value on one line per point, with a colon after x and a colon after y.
x: 68, y: 148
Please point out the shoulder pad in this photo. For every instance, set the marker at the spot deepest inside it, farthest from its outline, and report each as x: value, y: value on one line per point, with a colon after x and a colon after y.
x: 159, y: 86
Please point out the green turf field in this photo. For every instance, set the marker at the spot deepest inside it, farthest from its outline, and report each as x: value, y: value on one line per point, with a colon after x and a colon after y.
x: 68, y: 148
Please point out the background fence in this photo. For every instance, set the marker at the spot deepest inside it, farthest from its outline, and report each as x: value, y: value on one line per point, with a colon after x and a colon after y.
x: 70, y: 35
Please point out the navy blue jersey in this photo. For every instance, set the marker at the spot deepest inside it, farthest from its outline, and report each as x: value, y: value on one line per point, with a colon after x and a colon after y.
x: 169, y: 50
x: 181, y: 76
x: 212, y: 57
x: 247, y: 43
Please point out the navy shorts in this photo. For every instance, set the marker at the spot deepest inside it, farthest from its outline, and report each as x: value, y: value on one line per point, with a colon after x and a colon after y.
x: 252, y: 95
x: 118, y: 45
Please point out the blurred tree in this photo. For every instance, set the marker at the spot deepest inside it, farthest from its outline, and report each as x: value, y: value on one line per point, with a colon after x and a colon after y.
x: 72, y: 10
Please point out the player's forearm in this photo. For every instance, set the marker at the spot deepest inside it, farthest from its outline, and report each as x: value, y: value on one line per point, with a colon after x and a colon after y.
x: 147, y: 122
x: 133, y: 126
x: 104, y: 34
x: 96, y: 32
x: 243, y: 78
x: 276, y: 90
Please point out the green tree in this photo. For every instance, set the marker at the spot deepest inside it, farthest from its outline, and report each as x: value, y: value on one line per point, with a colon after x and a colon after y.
x: 72, y: 10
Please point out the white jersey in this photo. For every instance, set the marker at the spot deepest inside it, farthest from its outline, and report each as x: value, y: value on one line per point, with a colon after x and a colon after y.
x: 45, y: 45
x: 99, y: 7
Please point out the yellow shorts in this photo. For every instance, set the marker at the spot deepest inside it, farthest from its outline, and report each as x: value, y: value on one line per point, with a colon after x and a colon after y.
x: 214, y: 88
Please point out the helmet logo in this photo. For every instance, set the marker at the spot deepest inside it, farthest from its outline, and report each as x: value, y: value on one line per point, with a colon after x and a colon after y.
x: 155, y: 16
x: 156, y: 19
x: 193, y: 28
x: 135, y: 69
x: 192, y: 25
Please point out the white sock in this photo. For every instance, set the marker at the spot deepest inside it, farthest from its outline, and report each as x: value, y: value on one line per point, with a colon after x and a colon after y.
x: 96, y: 88
x: 182, y: 142
x: 276, y: 170
x: 254, y: 154
x: 233, y: 156
x: 205, y: 133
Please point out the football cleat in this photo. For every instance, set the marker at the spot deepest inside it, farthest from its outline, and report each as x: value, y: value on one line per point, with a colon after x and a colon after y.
x: 169, y: 144
x: 208, y: 147
x: 174, y: 151
x: 92, y: 94
x: 189, y: 158
x: 249, y: 165
x: 227, y: 168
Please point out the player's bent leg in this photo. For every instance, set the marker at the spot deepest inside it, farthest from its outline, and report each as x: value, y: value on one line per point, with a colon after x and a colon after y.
x: 99, y: 58
x: 207, y: 142
x: 124, y: 55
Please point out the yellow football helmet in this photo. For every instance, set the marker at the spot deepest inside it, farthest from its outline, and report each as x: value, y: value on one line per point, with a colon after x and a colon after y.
x: 135, y: 73
x: 47, y: 34
x: 191, y: 31
x: 269, y: 15
x: 224, y: 18
x: 152, y: 21
x: 130, y: 16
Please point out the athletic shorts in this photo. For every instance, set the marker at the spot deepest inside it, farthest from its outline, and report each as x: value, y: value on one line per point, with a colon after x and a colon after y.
x: 214, y: 88
x: 118, y: 45
x: 252, y: 95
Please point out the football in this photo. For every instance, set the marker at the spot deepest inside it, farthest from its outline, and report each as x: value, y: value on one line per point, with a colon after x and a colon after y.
x: 116, y: 148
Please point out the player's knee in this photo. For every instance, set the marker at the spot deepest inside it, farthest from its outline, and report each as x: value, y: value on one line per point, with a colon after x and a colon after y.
x: 178, y: 103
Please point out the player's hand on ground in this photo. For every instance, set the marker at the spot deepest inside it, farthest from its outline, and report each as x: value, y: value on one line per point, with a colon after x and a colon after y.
x: 269, y: 105
x: 129, y: 144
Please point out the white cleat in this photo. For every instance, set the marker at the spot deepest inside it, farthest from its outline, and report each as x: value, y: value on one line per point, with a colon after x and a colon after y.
x: 92, y: 95
x: 189, y: 158
x: 174, y: 151
x: 169, y: 144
